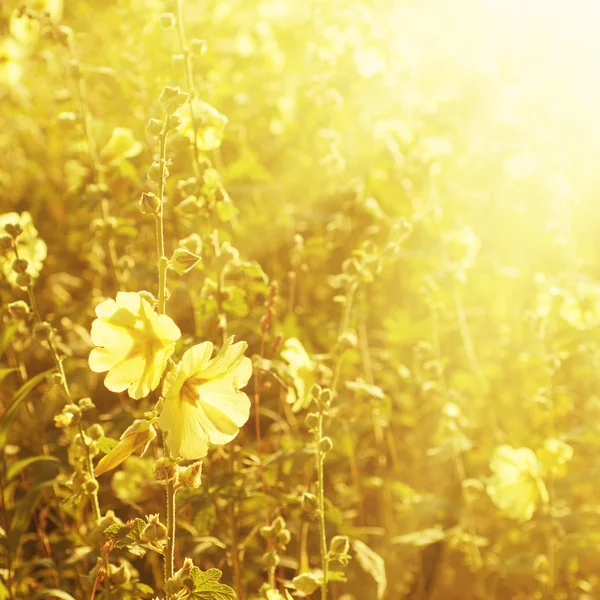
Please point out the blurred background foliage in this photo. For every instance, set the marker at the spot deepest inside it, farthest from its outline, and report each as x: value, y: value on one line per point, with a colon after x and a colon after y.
x: 410, y: 187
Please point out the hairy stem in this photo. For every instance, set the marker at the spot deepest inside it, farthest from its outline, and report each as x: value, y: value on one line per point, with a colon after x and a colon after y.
x: 322, y: 532
x: 171, y: 525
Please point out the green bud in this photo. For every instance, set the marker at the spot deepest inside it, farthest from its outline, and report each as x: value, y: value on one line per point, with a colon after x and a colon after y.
x: 283, y: 538
x: 311, y: 421
x: 109, y: 519
x: 95, y: 431
x: 184, y: 572
x: 165, y: 469
x: 183, y: 261
x: 173, y: 122
x: 172, y: 588
x: 20, y: 265
x: 149, y: 204
x: 347, y: 339
x: 55, y: 379
x: 86, y: 404
x: 266, y: 531
x: 278, y: 524
x: 23, y: 280
x: 154, y: 531
x: 315, y: 391
x: 70, y: 415
x: 19, y: 310
x: 154, y: 172
x: 324, y: 401
x: 154, y: 127
x: 309, y: 502
x: 340, y: 544
x: 167, y: 20
x: 198, y: 46
x: 90, y: 487
x: 270, y: 559
x: 13, y: 229
x: 42, y: 332
x: 119, y: 575
x: 191, y: 477
x: 325, y: 445
x: 6, y: 242
x: 172, y: 98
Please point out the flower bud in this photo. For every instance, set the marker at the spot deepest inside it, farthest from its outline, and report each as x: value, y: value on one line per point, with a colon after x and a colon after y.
x: 183, y: 261
x: 154, y: 531
x: 42, y: 332
x: 109, y: 519
x: 165, y: 469
x: 347, y: 339
x: 172, y: 98
x: 95, y: 431
x: 198, y: 46
x: 315, y: 391
x: 23, y: 280
x: 183, y: 573
x: 270, y: 559
x: 20, y: 265
x: 13, y: 229
x: 148, y: 297
x: 340, y: 544
x: 266, y: 531
x: 309, y: 502
x: 172, y: 588
x: 311, y: 421
x: 90, y: 487
x: 6, y: 242
x: 149, y: 204
x: 86, y: 404
x: 324, y: 401
x: 325, y: 445
x: 19, y: 310
x: 173, y: 122
x: 154, y: 127
x: 154, y: 172
x: 283, y: 538
x: 119, y: 575
x: 191, y: 477
x: 278, y: 524
x: 167, y: 20
x: 55, y: 379
x: 70, y: 415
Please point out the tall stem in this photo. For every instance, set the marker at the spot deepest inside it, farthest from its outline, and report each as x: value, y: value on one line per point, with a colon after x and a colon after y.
x: 323, y: 535
x: 160, y: 234
x: 171, y: 525
x: 189, y: 75
x: 67, y: 390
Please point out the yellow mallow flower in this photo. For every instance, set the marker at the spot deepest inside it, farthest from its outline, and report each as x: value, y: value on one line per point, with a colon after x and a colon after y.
x: 135, y: 344
x: 516, y: 487
x: 202, y: 399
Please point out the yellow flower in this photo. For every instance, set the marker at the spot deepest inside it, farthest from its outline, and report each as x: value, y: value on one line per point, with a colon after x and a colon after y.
x: 135, y: 344
x: 302, y: 371
x: 202, y: 399
x: 516, y: 487
x: 30, y: 247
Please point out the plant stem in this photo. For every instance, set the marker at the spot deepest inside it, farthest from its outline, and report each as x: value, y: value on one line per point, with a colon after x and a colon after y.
x: 190, y: 81
x: 323, y: 535
x: 171, y: 526
x: 160, y: 235
x: 67, y: 390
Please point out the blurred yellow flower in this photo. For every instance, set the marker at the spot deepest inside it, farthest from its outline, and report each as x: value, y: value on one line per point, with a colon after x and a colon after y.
x: 122, y: 144
x: 135, y: 344
x: 202, y: 399
x: 30, y: 247
x: 302, y: 371
x: 516, y: 487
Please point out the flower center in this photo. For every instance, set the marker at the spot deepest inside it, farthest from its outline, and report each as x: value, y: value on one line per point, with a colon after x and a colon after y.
x: 189, y: 390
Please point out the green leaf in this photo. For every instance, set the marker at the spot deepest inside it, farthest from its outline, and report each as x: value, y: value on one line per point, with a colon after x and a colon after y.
x: 23, y: 512
x: 207, y: 587
x: 21, y: 394
x: 127, y: 534
x: 20, y: 465
x: 424, y: 537
x: 53, y: 594
x: 373, y: 564
x: 7, y: 336
x: 5, y: 372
